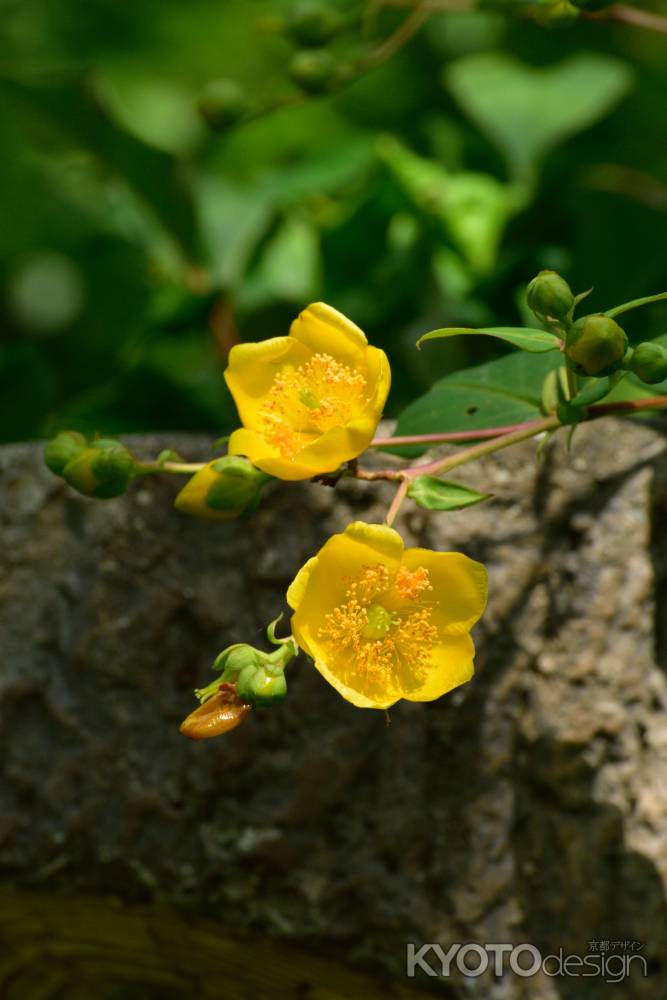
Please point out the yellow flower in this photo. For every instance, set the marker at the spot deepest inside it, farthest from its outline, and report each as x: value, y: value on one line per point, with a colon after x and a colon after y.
x: 382, y: 622
x: 309, y: 401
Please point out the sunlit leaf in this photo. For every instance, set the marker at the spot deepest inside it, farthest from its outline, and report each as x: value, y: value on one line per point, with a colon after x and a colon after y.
x: 500, y: 393
x: 438, y: 494
x: 533, y: 341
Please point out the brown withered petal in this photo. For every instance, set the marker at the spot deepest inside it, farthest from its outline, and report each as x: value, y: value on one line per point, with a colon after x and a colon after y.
x: 216, y: 716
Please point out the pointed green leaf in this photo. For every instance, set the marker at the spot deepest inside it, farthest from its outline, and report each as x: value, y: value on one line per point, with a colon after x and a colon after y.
x: 636, y: 303
x: 438, y: 494
x: 533, y: 341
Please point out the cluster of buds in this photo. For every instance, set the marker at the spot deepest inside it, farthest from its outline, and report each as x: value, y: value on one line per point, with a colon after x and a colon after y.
x: 101, y: 468
x: 249, y: 678
x: 595, y: 346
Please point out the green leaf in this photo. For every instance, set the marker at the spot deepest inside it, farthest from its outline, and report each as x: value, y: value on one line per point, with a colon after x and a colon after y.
x: 502, y: 392
x: 288, y: 270
x: 635, y: 303
x: 438, y: 494
x: 156, y: 177
x: 526, y: 111
x: 533, y: 341
x: 473, y: 208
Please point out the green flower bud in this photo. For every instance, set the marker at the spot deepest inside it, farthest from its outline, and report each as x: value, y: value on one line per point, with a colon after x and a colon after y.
x: 595, y: 345
x: 233, y: 660
x: 312, y: 70
x: 311, y: 24
x: 554, y: 13
x: 223, y: 490
x: 550, y: 297
x: 222, y: 103
x: 262, y: 685
x: 649, y: 363
x: 62, y: 449
x: 103, y: 470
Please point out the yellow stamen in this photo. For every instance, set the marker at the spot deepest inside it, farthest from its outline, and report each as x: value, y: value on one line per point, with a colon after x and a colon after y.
x: 375, y: 641
x: 307, y: 401
x: 411, y: 584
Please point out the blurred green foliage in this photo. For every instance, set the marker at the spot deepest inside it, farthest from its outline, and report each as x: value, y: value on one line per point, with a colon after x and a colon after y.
x: 146, y: 228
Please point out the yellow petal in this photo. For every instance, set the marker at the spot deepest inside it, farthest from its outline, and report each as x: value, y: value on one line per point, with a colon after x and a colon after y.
x: 369, y: 697
x: 252, y: 369
x: 296, y: 589
x: 327, y: 576
x: 267, y: 458
x: 378, y: 376
x: 452, y: 665
x: 459, y: 587
x: 338, y: 445
x: 343, y: 557
x: 326, y: 331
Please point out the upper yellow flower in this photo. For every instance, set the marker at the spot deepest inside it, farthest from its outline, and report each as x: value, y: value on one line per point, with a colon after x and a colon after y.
x: 382, y: 622
x: 309, y: 401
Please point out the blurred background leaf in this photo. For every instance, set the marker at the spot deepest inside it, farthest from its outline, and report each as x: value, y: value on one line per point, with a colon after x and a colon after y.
x: 138, y: 244
x: 526, y: 111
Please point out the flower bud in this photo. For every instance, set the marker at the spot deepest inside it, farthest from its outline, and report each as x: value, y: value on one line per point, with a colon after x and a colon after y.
x: 553, y: 13
x: 61, y: 449
x: 223, y: 490
x: 263, y: 685
x: 310, y: 23
x: 235, y: 659
x: 549, y: 296
x: 649, y: 363
x: 220, y: 714
x: 595, y: 345
x: 103, y: 470
x: 222, y: 103
x: 312, y: 70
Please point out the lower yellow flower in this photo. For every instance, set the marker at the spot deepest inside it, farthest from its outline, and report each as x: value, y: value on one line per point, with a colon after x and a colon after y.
x: 382, y: 622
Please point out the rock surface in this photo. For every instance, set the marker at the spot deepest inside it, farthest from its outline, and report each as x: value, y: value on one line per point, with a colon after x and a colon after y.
x: 528, y: 806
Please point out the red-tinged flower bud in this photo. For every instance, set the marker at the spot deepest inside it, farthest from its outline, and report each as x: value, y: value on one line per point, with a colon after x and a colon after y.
x: 220, y: 714
x: 595, y: 345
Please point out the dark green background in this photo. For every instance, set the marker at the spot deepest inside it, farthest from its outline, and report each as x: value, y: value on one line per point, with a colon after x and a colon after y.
x: 137, y: 245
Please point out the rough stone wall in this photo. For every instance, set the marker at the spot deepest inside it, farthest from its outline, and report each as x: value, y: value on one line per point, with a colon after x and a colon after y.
x: 528, y: 806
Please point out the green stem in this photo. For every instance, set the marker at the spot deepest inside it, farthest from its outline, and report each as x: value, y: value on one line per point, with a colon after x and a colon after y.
x: 177, y: 468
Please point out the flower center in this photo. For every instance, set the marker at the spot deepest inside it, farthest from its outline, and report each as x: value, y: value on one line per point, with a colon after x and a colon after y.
x: 378, y: 624
x: 382, y: 624
x: 307, y: 401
